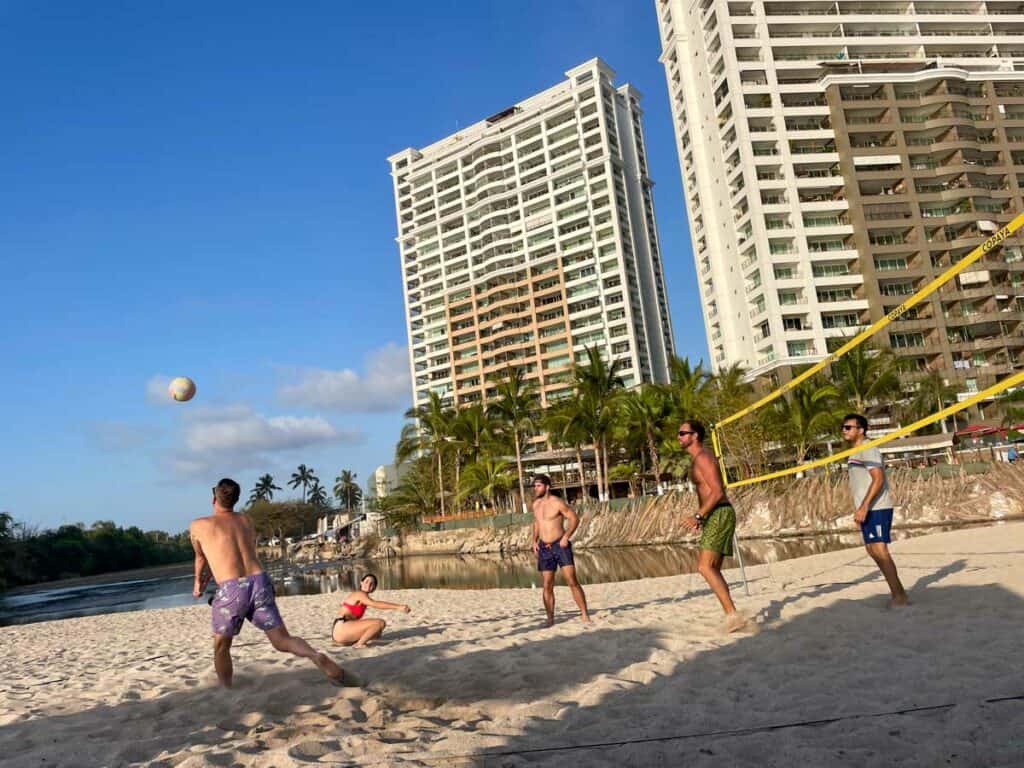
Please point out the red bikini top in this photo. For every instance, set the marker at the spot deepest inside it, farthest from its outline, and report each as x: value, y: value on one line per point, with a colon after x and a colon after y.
x: 357, y: 610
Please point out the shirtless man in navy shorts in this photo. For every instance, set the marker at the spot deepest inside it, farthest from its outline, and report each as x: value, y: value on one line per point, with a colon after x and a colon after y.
x: 552, y: 546
x: 225, y: 547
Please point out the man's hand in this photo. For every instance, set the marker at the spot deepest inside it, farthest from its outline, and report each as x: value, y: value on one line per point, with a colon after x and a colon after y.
x: 691, y: 523
x: 564, y: 542
x: 200, y: 585
x: 406, y: 609
x: 860, y: 515
x: 536, y: 547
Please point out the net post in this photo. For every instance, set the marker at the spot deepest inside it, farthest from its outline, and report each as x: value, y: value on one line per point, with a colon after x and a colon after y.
x: 716, y: 447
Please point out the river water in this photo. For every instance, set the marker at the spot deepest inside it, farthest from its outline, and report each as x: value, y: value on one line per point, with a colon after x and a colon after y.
x: 168, y: 587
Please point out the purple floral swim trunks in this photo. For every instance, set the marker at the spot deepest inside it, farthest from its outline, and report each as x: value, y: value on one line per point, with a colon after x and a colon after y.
x: 250, y: 597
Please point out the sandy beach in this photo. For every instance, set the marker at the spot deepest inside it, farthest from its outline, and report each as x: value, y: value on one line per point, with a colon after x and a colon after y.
x: 829, y: 677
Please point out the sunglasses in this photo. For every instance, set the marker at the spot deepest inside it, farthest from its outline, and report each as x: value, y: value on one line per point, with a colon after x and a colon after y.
x: 850, y: 426
x: 682, y: 432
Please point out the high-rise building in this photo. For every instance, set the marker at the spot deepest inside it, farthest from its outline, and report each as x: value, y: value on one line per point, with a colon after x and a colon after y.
x: 835, y: 157
x: 529, y: 236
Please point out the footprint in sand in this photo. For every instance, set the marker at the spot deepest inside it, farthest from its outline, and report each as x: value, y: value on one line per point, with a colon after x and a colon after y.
x: 312, y: 751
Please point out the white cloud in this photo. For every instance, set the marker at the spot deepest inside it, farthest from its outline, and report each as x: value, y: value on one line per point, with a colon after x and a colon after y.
x: 385, y: 385
x: 218, y: 440
x: 156, y: 390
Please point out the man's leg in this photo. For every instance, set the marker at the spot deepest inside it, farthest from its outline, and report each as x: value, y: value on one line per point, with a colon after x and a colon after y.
x: 549, y: 595
x: 879, y: 552
x: 710, y: 567
x: 569, y: 574
x: 222, y: 659
x: 287, y: 643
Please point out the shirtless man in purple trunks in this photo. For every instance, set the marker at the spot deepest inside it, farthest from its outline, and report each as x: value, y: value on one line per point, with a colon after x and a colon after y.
x: 552, y: 545
x: 225, y: 546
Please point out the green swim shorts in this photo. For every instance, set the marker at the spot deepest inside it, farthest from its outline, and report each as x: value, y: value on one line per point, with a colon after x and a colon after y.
x: 717, y: 531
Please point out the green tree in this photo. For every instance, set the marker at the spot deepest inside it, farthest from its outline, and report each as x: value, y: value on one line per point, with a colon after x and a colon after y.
x: 264, y: 489
x: 597, y: 387
x: 864, y: 376
x: 281, y: 519
x: 347, y: 490
x: 487, y: 478
x: 318, y: 496
x: 305, y: 477
x: 628, y: 471
x: 429, y: 435
x: 644, y: 413
x: 563, y: 423
x: 931, y: 394
x: 515, y: 409
x: 805, y: 414
x: 687, y: 389
x: 415, y: 494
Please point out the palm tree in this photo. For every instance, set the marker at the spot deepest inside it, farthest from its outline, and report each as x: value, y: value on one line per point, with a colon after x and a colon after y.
x: 645, y: 412
x: 487, y: 478
x: 472, y: 432
x: 865, y: 375
x: 563, y: 424
x: 932, y: 394
x: 515, y: 407
x: 317, y: 495
x: 805, y: 414
x: 346, y: 490
x: 598, y: 385
x: 264, y: 489
x: 429, y: 435
x: 303, y: 476
x: 687, y: 389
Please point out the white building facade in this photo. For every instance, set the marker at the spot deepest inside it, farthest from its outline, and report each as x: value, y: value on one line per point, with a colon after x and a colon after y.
x: 773, y: 236
x: 529, y: 236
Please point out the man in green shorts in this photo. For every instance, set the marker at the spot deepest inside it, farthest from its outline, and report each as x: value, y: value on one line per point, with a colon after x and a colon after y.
x: 715, y: 518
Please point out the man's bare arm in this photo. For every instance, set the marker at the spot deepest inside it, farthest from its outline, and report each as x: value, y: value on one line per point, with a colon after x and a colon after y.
x: 202, y: 570
x: 574, y: 522
x: 536, y: 535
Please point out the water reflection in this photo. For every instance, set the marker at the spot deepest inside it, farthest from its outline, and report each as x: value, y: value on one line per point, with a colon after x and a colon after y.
x: 593, y: 566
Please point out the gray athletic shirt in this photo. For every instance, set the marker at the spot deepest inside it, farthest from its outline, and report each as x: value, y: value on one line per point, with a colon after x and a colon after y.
x: 859, y: 466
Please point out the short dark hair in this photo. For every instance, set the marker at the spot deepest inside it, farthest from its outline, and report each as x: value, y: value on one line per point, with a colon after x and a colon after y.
x: 697, y: 427
x: 862, y: 422
x: 227, y: 492
x: 542, y: 478
x: 370, y: 576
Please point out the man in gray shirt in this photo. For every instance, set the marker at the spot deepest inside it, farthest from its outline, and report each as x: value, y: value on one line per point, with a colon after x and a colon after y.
x: 873, y: 503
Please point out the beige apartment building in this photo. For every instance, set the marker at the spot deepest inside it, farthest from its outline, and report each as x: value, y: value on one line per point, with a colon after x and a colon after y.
x: 933, y: 164
x: 529, y: 236
x: 835, y: 155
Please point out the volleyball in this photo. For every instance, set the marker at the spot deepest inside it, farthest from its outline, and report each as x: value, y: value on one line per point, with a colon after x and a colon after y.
x: 182, y: 389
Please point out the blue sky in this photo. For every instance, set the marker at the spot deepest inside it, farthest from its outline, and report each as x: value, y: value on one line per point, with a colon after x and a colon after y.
x: 202, y: 189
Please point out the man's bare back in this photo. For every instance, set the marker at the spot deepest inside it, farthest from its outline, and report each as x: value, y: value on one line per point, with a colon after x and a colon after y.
x: 228, y: 542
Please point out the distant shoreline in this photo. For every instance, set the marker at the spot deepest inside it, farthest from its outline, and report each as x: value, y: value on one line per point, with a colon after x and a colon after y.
x: 151, y: 572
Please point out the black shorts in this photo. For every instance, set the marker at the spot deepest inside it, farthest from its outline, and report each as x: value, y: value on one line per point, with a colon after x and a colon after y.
x: 551, y: 557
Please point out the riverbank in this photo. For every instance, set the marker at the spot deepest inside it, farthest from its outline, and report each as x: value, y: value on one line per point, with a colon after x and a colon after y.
x: 472, y: 673
x: 814, y: 505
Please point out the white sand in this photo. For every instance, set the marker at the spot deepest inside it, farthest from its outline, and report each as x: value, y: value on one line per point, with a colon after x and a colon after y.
x: 473, y: 672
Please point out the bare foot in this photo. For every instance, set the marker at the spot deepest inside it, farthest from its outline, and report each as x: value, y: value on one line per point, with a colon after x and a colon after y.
x: 899, y: 602
x: 549, y: 622
x: 332, y: 671
x: 735, y: 622
x: 586, y: 619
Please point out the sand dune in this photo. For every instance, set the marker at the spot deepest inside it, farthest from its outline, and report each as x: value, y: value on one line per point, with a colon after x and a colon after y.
x: 829, y: 677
